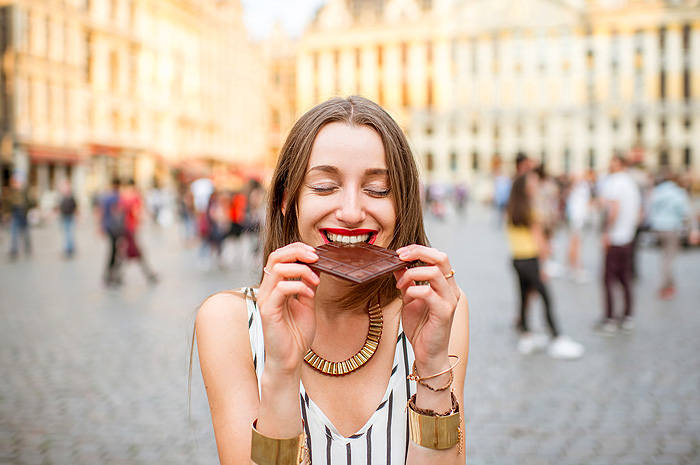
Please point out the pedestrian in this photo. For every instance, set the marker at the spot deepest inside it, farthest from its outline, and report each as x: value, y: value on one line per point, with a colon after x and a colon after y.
x: 501, y: 193
x: 112, y: 226
x: 19, y: 204
x: 669, y: 213
x: 131, y: 204
x: 346, y: 172
x: 529, y: 249
x: 621, y: 201
x: 578, y: 204
x: 548, y: 215
x: 67, y: 208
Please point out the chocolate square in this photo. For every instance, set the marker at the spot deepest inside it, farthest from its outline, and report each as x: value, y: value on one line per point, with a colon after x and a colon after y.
x: 360, y: 262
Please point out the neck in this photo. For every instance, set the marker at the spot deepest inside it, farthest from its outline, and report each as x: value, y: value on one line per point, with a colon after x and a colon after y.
x: 328, y: 296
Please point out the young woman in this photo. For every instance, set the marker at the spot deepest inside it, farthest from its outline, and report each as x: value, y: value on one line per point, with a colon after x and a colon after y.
x: 345, y: 173
x: 529, y: 248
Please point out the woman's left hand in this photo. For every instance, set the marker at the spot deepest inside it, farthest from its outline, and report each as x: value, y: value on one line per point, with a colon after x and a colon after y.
x: 428, y: 310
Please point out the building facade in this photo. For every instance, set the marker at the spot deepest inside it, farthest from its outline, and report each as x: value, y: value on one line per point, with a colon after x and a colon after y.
x: 474, y: 81
x: 141, y: 89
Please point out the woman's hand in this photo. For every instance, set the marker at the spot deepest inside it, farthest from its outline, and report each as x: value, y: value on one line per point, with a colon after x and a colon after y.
x: 428, y: 310
x: 286, y: 303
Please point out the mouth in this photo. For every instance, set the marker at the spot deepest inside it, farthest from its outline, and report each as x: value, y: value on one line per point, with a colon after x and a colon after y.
x: 346, y: 236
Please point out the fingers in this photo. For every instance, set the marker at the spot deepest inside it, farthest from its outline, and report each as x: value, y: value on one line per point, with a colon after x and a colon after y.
x: 426, y: 254
x: 285, y: 277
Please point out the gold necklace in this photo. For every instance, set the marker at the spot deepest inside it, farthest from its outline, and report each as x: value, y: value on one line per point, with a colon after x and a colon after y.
x: 374, y: 335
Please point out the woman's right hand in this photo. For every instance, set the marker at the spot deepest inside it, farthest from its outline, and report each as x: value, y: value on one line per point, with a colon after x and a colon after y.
x: 286, y: 303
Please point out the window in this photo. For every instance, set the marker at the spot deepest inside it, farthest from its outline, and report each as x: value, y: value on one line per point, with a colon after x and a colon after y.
x: 591, y: 158
x: 429, y: 162
x: 687, y: 157
x: 453, y: 162
x: 475, y: 161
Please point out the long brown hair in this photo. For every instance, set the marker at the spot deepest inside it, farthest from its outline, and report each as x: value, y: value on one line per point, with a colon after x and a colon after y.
x: 519, y: 207
x: 282, y: 228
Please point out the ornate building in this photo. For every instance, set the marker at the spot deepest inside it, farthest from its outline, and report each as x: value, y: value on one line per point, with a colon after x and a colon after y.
x: 566, y: 82
x: 94, y: 89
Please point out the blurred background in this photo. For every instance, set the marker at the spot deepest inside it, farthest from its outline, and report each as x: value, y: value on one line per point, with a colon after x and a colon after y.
x: 165, y: 91
x: 173, y: 112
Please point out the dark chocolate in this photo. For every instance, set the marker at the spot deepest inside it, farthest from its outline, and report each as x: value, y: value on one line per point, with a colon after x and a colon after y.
x: 360, y: 262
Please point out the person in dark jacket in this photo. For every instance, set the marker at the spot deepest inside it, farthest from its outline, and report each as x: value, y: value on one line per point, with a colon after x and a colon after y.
x: 67, y: 207
x: 19, y: 204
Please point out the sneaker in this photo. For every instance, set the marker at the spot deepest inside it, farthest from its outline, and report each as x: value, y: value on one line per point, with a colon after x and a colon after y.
x: 607, y: 327
x: 563, y: 348
x: 554, y: 269
x: 627, y: 325
x: 530, y: 343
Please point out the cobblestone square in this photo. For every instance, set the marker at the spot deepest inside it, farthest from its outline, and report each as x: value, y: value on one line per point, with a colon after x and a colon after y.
x: 94, y: 375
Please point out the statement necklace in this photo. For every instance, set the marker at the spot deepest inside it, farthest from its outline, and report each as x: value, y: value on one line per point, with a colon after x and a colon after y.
x: 374, y: 335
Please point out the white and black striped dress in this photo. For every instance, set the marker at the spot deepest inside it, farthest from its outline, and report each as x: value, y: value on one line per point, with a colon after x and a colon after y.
x: 382, y: 440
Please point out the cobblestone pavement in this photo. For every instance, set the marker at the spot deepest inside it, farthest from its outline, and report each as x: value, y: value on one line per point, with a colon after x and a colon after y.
x: 92, y: 375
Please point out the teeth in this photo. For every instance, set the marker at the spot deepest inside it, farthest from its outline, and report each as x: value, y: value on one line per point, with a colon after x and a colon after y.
x: 347, y: 239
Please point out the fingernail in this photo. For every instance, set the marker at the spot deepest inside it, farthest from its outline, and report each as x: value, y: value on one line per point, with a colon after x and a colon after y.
x: 312, y: 255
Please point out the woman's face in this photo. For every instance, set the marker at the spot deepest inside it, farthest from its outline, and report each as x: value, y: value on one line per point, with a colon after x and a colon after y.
x: 345, y: 195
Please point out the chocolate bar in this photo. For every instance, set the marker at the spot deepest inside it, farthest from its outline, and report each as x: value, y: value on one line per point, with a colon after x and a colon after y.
x: 360, y: 262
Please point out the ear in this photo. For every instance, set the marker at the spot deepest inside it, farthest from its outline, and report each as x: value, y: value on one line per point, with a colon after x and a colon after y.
x: 284, y: 203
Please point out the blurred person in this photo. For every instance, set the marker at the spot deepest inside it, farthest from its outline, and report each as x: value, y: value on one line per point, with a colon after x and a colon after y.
x: 548, y: 214
x: 156, y: 203
x: 668, y: 214
x: 461, y: 197
x: 131, y: 204
x: 523, y: 164
x: 645, y: 183
x: 578, y: 204
x: 19, y: 204
x: 238, y: 206
x: 111, y: 218
x: 346, y: 170
x: 67, y: 208
x: 621, y: 201
x: 214, y: 231
x: 501, y: 193
x: 528, y: 248
x: 186, y: 211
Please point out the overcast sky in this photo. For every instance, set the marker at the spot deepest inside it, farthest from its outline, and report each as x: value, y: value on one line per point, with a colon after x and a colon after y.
x: 260, y: 15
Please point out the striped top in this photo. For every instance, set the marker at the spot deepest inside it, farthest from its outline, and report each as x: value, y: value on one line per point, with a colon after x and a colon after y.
x: 382, y: 440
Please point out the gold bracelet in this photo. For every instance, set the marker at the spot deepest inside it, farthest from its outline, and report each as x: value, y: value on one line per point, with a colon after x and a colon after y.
x: 434, y: 430
x: 414, y: 373
x: 265, y: 450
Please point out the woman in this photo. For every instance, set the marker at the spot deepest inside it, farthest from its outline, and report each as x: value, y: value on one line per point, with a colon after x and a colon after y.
x: 345, y: 173
x: 529, y: 247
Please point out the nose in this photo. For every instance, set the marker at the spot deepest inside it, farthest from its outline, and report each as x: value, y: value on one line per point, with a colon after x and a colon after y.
x: 351, y: 210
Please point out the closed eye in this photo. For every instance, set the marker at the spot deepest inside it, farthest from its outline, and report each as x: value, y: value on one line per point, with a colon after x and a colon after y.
x: 378, y: 192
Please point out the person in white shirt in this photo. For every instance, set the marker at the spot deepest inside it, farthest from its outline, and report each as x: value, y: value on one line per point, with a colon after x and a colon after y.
x: 622, y: 203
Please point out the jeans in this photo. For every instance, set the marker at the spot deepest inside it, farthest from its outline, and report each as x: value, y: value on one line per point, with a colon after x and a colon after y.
x: 19, y: 226
x: 68, y: 226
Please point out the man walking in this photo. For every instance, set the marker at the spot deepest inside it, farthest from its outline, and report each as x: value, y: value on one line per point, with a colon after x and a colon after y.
x: 669, y: 210
x: 19, y: 204
x: 622, y: 204
x: 68, y: 207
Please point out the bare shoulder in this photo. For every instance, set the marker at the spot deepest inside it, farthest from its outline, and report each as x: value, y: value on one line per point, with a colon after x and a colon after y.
x: 222, y: 314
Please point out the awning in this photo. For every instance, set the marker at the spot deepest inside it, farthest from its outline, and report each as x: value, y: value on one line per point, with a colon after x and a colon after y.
x: 42, y: 154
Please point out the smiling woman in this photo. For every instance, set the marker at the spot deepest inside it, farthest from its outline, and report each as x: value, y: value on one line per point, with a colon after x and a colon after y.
x: 311, y: 368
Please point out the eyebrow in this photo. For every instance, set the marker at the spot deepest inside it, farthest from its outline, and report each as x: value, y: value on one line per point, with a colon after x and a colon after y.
x: 334, y: 170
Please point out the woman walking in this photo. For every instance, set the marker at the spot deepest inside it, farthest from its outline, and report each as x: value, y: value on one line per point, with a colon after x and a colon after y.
x: 529, y: 249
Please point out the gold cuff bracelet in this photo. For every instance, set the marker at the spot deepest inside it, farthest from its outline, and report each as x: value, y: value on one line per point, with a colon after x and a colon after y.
x: 433, y: 430
x: 265, y: 450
